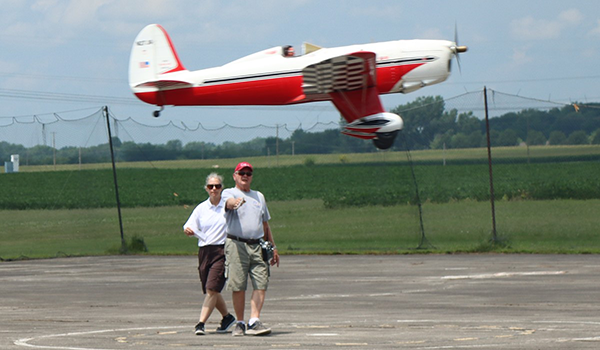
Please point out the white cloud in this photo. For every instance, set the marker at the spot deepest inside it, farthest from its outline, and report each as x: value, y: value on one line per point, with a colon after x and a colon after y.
x: 520, y: 57
x: 82, y: 13
x: 572, y: 16
x: 529, y: 28
x: 44, y: 5
x: 596, y: 31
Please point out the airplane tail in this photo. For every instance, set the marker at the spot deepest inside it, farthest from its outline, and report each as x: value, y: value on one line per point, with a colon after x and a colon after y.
x: 152, y: 55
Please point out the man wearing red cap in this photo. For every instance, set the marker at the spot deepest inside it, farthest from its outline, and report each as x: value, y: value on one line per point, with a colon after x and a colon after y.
x: 247, y: 218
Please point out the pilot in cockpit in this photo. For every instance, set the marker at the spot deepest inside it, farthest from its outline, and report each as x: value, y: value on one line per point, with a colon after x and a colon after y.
x: 288, y: 51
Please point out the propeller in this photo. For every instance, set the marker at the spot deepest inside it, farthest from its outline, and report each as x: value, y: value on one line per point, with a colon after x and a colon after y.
x: 456, y: 49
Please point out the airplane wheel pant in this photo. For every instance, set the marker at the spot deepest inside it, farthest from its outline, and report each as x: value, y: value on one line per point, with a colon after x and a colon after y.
x: 385, y: 140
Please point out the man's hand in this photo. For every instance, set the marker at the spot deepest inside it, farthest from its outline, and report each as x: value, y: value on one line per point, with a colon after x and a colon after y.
x: 238, y: 203
x: 275, y: 259
x: 234, y: 203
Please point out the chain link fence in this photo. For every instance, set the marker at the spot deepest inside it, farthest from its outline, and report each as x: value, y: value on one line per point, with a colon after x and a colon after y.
x: 79, y: 140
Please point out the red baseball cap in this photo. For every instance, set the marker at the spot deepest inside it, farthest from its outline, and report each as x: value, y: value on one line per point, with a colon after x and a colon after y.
x: 243, y: 165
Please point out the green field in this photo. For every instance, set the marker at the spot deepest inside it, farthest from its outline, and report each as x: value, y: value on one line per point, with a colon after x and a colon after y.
x: 338, y: 185
x: 304, y: 227
x: 451, y: 156
x: 335, y: 206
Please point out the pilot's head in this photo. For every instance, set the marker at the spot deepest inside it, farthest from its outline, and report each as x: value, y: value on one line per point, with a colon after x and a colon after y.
x: 288, y: 51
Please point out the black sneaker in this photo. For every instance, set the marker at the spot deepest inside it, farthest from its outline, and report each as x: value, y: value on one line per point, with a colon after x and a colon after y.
x: 226, y: 324
x: 258, y: 329
x: 200, y: 329
x: 239, y: 330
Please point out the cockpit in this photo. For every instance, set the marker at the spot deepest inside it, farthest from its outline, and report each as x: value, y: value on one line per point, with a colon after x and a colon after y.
x: 288, y: 50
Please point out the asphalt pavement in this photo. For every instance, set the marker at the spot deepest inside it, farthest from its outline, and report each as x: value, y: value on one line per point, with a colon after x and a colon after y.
x: 481, y: 301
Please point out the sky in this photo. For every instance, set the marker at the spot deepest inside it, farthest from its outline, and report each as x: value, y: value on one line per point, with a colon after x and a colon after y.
x: 71, y: 56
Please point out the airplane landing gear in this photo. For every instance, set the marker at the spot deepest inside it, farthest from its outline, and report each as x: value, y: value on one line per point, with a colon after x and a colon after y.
x: 156, y: 114
x: 385, y: 140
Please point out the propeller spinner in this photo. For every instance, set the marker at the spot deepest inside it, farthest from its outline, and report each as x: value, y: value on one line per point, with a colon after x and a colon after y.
x: 456, y: 49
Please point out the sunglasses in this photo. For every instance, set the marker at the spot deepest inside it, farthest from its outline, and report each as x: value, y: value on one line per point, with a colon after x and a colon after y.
x: 211, y: 186
x: 242, y: 173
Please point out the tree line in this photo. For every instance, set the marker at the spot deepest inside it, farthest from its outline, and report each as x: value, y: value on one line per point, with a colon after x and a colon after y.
x: 428, y: 125
x: 434, y: 128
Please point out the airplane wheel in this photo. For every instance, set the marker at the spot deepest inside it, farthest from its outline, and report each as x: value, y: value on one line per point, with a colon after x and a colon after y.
x: 156, y: 114
x: 385, y: 140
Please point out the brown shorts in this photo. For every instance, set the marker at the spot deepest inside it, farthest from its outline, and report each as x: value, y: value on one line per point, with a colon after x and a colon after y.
x: 211, y: 267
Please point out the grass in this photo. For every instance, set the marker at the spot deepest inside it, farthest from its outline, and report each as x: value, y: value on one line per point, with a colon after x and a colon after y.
x: 305, y: 227
x: 436, y: 156
x: 338, y: 185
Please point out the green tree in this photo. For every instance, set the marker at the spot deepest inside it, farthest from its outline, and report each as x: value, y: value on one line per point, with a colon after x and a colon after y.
x: 446, y: 122
x: 557, y: 138
x: 535, y: 138
x: 41, y: 155
x: 315, y: 143
x: 494, y: 135
x: 198, y: 150
x: 596, y: 138
x: 578, y: 138
x: 475, y: 139
x: 8, y: 149
x: 419, y: 117
x: 442, y: 140
x: 459, y: 140
x: 174, y: 146
x: 508, y: 137
x: 467, y: 123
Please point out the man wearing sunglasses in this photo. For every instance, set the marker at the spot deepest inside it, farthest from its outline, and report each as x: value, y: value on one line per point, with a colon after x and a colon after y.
x: 207, y: 223
x: 247, y: 218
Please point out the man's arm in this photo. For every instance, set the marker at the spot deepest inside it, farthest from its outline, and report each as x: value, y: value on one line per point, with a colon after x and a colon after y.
x: 231, y: 203
x: 269, y: 237
x: 234, y: 203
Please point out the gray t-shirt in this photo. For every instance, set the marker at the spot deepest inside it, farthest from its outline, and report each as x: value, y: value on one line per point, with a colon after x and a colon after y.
x: 247, y: 220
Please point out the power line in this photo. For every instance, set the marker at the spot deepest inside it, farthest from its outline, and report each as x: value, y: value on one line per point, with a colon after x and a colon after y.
x: 65, y: 97
x: 536, y: 80
x: 63, y: 77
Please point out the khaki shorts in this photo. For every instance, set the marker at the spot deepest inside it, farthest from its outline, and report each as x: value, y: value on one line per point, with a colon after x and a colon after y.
x: 243, y: 260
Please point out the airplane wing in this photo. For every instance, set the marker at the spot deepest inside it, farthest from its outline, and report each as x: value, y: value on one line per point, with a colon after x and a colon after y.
x: 349, y: 81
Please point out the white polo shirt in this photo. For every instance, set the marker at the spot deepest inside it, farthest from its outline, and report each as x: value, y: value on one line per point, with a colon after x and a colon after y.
x: 208, y: 223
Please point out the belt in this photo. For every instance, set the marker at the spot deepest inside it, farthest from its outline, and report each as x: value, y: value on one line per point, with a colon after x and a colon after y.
x: 245, y: 240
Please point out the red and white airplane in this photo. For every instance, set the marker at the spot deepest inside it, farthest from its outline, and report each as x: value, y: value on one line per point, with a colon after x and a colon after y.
x: 352, y: 77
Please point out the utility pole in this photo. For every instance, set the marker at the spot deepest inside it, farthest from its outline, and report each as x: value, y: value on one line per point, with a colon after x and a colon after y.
x: 112, y: 157
x: 489, y: 150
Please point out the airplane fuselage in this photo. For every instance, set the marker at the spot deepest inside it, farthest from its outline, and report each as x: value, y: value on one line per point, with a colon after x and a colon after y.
x: 268, y: 78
